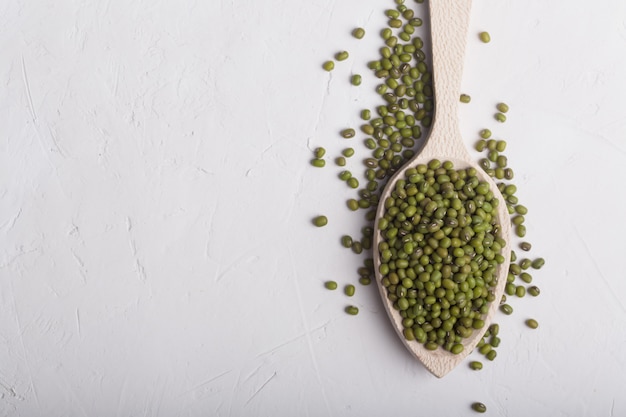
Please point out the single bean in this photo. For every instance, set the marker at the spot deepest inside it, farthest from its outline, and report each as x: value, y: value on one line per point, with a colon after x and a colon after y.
x: 331, y: 285
x: 358, y: 33
x: 479, y: 407
x: 320, y: 221
x: 349, y: 290
x: 342, y: 56
x: 352, y: 310
x: 532, y: 323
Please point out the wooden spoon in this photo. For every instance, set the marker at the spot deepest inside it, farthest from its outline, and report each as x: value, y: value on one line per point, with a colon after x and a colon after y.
x: 449, y: 21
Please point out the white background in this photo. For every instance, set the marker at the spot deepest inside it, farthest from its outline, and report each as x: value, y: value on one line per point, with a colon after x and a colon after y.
x: 156, y: 251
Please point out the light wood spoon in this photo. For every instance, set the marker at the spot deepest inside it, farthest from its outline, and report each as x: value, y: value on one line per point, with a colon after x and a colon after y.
x: 449, y: 21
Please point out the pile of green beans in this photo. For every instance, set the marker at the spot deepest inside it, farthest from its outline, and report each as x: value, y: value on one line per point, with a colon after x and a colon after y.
x: 440, y: 249
x: 439, y: 257
x: 392, y: 131
x: 418, y: 243
x: 519, y: 278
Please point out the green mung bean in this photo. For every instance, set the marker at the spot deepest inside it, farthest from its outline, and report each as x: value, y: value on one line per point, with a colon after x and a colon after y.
x: 394, y: 23
x: 345, y: 175
x: 532, y: 323
x: 348, y: 152
x: 353, y: 182
x: 525, y: 246
x: 319, y: 152
x: 352, y: 204
x: 348, y: 133
x: 520, y: 209
x: 342, y: 56
x: 491, y: 355
x: 502, y: 107
x: 328, y: 65
x: 479, y: 407
x: 358, y: 33
x: 538, y: 263
x: 352, y: 310
x: 318, y: 162
x: 355, y: 79
x: 349, y: 290
x: 346, y: 241
x: 526, y: 277
x: 494, y: 341
x: 484, y: 37
x: 500, y: 117
x: 366, y: 114
x: 340, y: 161
x: 525, y: 263
x: 464, y: 98
x: 506, y: 309
x: 517, y: 220
x: 476, y: 365
x: 330, y: 285
x: 405, y: 219
x: 534, y: 291
x: 456, y: 348
x: 485, y: 133
x: 367, y: 129
x: 320, y: 221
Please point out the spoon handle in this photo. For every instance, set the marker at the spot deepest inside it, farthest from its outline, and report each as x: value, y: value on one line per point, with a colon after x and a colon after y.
x: 449, y: 21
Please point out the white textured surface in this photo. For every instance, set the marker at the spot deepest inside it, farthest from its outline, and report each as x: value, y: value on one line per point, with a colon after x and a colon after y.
x: 156, y: 255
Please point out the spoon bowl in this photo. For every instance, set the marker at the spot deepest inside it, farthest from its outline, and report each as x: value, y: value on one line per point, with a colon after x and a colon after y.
x: 449, y: 25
